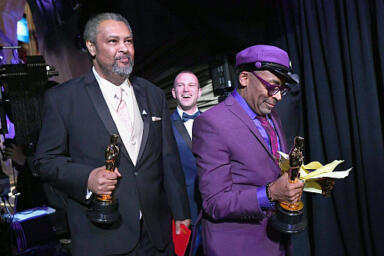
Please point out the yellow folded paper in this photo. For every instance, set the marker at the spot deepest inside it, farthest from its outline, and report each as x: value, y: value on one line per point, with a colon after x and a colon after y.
x: 312, y: 187
x: 314, y: 172
x: 318, y: 169
x: 284, y: 161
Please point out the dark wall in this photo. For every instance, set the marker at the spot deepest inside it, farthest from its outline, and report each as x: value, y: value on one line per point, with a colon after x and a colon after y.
x: 167, y: 34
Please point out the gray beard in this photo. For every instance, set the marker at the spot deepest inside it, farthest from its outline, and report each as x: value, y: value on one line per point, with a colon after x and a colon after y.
x: 122, y: 71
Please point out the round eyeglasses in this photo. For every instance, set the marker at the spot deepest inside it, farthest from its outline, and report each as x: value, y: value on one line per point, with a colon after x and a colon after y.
x: 272, y: 88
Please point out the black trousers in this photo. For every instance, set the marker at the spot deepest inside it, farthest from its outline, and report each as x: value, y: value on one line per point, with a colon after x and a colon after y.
x: 145, y: 246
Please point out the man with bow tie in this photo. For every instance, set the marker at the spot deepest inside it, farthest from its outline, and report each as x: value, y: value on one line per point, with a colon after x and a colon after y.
x: 186, y: 90
x: 79, y: 118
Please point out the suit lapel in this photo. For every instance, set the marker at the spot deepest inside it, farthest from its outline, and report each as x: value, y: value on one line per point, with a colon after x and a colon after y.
x: 143, y: 107
x: 240, y: 113
x: 96, y: 96
x: 179, y: 124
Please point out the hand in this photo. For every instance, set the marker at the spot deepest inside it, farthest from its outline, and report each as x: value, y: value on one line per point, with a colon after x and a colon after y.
x: 283, y: 191
x: 15, y: 153
x: 103, y: 182
x: 186, y: 222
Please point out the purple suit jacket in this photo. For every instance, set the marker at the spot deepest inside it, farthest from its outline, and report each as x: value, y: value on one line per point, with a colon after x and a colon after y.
x: 233, y: 161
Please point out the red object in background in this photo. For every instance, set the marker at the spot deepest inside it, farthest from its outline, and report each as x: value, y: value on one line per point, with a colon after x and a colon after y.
x: 181, y: 240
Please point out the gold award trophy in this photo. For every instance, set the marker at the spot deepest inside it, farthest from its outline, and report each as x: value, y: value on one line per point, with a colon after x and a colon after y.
x: 103, y: 209
x: 289, y: 217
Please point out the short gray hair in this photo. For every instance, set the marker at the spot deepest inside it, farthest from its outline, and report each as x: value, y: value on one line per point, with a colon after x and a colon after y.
x: 90, y: 30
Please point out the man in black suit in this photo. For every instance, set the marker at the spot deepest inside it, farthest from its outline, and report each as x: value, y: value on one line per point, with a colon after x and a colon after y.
x: 79, y: 118
x: 186, y: 90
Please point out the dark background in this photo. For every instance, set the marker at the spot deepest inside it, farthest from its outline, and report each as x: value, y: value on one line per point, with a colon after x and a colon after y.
x: 337, y: 49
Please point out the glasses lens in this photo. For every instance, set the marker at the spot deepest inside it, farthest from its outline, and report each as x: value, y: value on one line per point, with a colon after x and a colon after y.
x: 272, y: 89
x: 284, y: 91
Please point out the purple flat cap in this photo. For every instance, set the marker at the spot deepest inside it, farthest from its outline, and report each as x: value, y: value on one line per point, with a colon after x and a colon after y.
x: 267, y: 57
x: 263, y: 53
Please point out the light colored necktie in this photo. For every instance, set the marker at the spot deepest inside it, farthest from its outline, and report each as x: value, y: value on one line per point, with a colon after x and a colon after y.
x: 127, y: 119
x: 122, y: 109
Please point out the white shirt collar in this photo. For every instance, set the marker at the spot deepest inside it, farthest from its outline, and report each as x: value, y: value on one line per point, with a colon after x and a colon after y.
x: 110, y: 90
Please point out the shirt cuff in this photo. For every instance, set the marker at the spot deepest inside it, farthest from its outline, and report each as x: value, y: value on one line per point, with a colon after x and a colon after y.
x: 262, y: 197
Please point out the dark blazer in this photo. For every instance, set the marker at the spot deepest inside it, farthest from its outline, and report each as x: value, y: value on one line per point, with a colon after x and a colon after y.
x: 233, y: 161
x: 76, y: 129
x: 188, y: 162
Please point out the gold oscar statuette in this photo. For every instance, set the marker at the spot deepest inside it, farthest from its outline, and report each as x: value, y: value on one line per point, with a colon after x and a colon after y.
x: 289, y: 217
x: 104, y: 208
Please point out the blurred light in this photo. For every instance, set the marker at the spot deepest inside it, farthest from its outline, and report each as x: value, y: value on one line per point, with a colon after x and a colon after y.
x: 22, y: 30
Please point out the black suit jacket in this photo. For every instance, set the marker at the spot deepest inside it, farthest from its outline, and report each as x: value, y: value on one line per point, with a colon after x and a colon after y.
x: 76, y: 129
x: 188, y: 162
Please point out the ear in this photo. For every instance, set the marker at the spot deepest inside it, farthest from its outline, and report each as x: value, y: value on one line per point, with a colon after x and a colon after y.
x: 173, y: 93
x: 91, y: 48
x: 244, y: 78
x: 200, y: 92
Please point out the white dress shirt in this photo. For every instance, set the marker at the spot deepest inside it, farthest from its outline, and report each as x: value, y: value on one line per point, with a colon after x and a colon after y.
x: 188, y: 124
x: 130, y: 136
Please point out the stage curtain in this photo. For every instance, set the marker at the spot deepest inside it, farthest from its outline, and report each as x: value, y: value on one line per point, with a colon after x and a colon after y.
x: 339, y: 49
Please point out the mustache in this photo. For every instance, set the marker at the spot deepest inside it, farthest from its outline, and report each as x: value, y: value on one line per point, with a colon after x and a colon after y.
x: 272, y: 101
x: 123, y: 57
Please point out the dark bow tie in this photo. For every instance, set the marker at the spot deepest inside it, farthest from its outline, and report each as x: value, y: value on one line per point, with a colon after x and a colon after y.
x: 186, y: 117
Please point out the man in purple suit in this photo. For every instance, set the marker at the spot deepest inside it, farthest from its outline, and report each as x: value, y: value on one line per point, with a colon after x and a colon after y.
x: 236, y: 144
